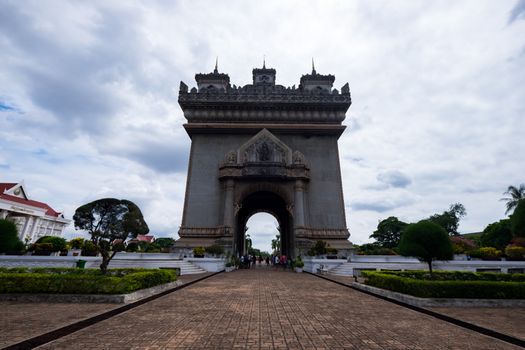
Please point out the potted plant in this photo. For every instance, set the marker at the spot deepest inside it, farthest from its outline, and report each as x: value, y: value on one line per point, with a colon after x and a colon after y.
x: 299, y: 264
x: 198, y: 252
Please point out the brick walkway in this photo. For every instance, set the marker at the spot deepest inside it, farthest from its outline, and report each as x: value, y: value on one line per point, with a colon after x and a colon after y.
x: 21, y: 320
x: 263, y: 309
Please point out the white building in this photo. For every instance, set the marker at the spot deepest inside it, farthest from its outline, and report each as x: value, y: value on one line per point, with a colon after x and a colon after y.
x: 33, y: 219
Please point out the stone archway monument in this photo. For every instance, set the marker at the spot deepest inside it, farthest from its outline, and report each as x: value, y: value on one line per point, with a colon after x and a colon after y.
x: 264, y: 147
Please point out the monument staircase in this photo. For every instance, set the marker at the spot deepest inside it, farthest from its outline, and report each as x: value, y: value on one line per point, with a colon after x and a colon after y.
x: 344, y: 269
x: 186, y: 267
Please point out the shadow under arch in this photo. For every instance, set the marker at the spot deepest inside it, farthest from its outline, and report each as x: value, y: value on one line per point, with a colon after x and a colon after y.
x: 271, y: 203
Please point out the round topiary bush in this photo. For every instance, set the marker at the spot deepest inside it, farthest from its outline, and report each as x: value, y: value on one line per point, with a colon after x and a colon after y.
x: 426, y: 241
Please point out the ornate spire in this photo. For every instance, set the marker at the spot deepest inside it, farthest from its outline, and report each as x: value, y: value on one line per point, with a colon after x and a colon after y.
x: 264, y: 61
x: 216, y: 70
x: 313, y: 67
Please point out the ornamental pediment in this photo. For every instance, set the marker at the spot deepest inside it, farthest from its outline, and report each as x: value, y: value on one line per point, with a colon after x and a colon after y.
x: 264, y: 148
x: 264, y: 155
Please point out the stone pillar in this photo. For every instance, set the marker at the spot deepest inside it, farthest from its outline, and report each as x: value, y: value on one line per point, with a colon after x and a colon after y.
x: 228, y: 203
x: 35, y: 229
x: 24, y: 228
x: 299, y: 203
x: 3, y: 214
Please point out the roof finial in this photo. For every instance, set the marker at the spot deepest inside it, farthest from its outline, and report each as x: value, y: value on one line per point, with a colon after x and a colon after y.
x: 313, y: 67
x: 264, y: 61
x: 216, y: 70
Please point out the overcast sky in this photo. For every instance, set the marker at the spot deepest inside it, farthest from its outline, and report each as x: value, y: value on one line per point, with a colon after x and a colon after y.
x: 88, y: 99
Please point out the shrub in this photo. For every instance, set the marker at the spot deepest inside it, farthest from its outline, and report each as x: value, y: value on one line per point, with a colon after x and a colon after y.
x: 9, y: 241
x: 57, y: 243
x: 40, y: 248
x: 462, y: 245
x: 515, y: 252
x: 132, y: 247
x: 199, y: 251
x: 518, y: 241
x: 486, y: 253
x: 215, y: 249
x: 81, y: 281
x: 89, y: 248
x: 153, y: 248
x: 483, y: 289
x: 76, y: 243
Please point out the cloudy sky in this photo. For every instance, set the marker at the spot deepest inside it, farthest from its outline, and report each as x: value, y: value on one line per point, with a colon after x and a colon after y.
x: 88, y: 98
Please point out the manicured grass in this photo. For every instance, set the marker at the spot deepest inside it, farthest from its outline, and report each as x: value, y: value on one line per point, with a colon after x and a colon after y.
x: 450, y: 284
x: 80, y: 281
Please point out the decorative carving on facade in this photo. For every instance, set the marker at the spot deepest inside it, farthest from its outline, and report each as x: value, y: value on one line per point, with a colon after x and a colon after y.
x: 231, y: 157
x: 313, y: 101
x: 298, y: 158
x: 236, y: 208
x: 290, y: 208
x: 314, y: 233
x: 264, y: 155
x: 219, y: 231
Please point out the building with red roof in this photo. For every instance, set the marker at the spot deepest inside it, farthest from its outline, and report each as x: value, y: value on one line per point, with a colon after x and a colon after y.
x: 33, y: 219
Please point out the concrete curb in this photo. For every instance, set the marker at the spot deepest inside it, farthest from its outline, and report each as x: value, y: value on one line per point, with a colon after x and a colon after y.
x: 90, y: 298
x: 440, y: 302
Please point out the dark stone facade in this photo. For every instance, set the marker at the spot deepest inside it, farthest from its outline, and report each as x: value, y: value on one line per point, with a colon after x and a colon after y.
x: 264, y: 147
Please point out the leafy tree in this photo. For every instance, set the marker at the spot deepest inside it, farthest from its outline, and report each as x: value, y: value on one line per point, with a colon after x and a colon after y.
x: 374, y: 249
x: 276, y: 243
x: 165, y: 242
x: 515, y: 194
x: 107, y: 220
x: 517, y: 219
x: 449, y: 219
x: 497, y: 235
x: 426, y: 241
x: 9, y: 241
x: 388, y: 232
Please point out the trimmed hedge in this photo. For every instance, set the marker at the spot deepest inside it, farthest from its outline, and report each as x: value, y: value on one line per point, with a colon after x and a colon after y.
x: 450, y: 284
x: 80, y: 281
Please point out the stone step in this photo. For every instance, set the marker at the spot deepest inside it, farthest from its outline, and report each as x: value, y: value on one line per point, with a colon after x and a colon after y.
x: 186, y: 268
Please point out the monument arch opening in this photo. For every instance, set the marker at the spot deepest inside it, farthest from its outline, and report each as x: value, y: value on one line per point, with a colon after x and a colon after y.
x: 262, y: 228
x: 270, y: 203
x: 264, y: 147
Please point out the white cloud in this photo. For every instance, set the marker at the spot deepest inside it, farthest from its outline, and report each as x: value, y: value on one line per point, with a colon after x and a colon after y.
x: 91, y: 91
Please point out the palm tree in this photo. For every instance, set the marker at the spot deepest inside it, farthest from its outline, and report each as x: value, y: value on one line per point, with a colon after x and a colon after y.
x: 514, y: 196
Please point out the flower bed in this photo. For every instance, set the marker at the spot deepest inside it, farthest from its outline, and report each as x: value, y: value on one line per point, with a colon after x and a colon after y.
x: 454, y: 284
x: 80, y: 281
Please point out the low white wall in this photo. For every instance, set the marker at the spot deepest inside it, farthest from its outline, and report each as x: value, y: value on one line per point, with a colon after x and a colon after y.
x: 148, y: 260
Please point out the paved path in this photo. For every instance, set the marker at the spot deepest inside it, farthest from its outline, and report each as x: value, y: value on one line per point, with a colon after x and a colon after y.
x: 23, y: 320
x: 263, y: 309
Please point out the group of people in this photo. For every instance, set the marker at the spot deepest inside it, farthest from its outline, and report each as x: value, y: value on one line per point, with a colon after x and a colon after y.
x: 276, y: 261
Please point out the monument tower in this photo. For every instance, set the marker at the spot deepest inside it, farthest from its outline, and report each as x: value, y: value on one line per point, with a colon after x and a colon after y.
x: 268, y: 148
